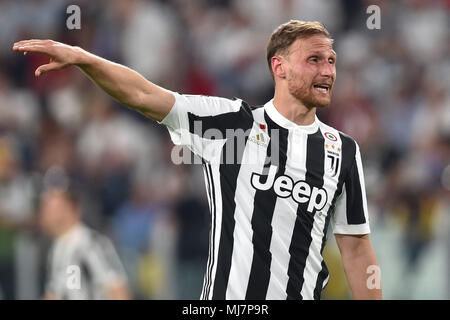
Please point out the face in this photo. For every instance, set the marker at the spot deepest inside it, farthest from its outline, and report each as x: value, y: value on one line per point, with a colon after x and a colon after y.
x: 55, y: 210
x: 310, y: 70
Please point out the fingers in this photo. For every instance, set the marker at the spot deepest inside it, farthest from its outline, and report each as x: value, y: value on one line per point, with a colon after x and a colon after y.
x: 48, y: 47
x: 46, y: 68
x: 23, y: 43
x: 31, y: 42
x: 32, y: 46
x: 41, y: 46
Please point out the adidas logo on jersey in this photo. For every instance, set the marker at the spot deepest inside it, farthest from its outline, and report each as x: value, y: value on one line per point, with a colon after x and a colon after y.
x: 284, y: 187
x: 258, y: 139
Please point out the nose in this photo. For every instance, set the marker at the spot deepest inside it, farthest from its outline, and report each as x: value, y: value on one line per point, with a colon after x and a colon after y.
x: 328, y: 70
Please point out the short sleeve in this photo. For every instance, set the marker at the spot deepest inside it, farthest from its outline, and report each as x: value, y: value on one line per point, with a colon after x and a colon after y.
x: 104, y: 263
x: 351, y: 215
x: 202, y: 123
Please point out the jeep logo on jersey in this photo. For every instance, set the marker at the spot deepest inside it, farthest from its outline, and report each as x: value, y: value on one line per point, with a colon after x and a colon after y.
x: 284, y: 187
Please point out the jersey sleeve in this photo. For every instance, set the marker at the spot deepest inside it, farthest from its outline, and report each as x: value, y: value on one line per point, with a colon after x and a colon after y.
x: 104, y: 263
x: 203, y: 123
x: 351, y: 215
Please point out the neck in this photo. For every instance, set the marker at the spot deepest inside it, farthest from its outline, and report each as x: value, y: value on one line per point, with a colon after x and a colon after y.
x: 293, y: 110
x: 65, y: 229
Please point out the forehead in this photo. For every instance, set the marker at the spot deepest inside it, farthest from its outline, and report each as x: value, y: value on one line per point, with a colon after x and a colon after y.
x: 53, y: 195
x: 315, y: 43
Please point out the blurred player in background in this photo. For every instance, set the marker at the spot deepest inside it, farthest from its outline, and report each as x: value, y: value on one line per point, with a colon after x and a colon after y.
x: 82, y: 264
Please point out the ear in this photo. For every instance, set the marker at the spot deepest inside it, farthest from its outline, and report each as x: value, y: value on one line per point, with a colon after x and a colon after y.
x: 278, y: 67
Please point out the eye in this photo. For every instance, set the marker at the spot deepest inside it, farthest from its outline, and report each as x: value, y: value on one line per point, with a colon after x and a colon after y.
x: 331, y: 61
x: 314, y: 59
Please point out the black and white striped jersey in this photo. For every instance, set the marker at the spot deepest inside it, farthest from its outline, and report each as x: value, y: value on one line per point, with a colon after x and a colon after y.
x: 273, y: 188
x: 82, y: 264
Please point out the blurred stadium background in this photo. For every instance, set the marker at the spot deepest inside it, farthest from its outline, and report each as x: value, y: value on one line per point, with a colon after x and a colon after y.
x: 392, y: 94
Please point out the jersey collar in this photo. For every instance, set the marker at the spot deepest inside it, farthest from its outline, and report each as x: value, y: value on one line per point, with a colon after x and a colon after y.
x: 279, y: 119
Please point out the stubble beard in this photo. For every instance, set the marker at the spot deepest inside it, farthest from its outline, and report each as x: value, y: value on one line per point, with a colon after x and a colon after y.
x: 302, y: 91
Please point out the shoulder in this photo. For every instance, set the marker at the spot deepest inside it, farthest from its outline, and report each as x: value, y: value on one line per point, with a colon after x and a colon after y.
x: 97, y: 237
x: 211, y: 102
x: 92, y: 239
x: 348, y: 144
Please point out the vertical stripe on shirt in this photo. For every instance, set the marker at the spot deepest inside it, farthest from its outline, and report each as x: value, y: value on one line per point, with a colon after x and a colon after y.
x: 229, y: 173
x: 315, y: 265
x: 301, y: 239
x: 243, y: 247
x: 264, y: 205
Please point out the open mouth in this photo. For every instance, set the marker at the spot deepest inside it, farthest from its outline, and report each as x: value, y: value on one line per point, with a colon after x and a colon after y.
x: 323, y: 88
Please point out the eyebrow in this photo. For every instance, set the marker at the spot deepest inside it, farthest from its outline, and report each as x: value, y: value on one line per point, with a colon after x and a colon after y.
x: 318, y: 53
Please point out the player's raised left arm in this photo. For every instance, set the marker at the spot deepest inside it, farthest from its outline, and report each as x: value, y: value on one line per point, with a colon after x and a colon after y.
x: 358, y: 257
x: 124, y: 84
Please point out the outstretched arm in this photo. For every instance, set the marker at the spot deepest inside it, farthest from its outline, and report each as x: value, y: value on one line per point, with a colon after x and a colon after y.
x: 125, y: 85
x: 358, y: 258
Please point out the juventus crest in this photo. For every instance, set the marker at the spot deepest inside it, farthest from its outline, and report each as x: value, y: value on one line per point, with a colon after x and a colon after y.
x: 333, y: 157
x: 332, y: 163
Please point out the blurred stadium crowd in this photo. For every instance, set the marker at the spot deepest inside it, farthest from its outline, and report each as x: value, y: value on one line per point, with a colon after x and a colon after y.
x: 392, y: 95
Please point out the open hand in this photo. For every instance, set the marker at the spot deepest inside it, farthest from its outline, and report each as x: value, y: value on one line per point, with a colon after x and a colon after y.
x: 61, y: 55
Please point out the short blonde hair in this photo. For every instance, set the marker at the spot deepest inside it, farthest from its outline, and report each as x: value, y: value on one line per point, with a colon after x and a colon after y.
x: 286, y: 34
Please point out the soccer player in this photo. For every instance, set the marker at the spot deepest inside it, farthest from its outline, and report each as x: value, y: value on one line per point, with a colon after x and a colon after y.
x: 269, y: 215
x: 82, y: 263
